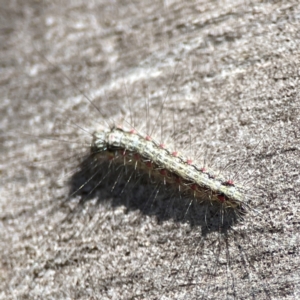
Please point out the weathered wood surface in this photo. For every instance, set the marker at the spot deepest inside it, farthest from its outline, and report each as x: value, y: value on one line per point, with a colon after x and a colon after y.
x: 230, y: 69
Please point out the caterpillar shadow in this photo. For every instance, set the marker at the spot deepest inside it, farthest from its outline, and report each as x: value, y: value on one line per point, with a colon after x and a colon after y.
x: 124, y: 186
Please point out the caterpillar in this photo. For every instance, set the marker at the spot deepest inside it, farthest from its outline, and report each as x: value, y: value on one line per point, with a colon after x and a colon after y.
x: 146, y: 154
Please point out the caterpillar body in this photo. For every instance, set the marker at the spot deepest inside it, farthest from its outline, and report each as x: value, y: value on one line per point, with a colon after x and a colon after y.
x: 146, y: 154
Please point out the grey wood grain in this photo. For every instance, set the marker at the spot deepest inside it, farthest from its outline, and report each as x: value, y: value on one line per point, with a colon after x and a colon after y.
x: 228, y: 74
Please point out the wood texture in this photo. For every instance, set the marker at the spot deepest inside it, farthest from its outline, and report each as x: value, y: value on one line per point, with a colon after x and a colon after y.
x: 228, y: 74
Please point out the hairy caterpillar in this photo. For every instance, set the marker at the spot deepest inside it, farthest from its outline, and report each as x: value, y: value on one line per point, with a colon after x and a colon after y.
x: 171, y: 167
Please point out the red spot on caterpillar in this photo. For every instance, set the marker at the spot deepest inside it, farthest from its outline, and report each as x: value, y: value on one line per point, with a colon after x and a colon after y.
x: 222, y: 198
x: 123, y: 152
x: 230, y: 182
x: 137, y: 156
x: 163, y: 172
x: 194, y: 187
x: 203, y: 170
x: 189, y: 161
x: 148, y: 138
x: 133, y: 131
x: 162, y: 146
x: 175, y: 153
x: 149, y: 164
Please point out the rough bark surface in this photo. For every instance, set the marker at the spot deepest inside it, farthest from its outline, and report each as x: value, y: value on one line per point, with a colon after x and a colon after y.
x: 227, y: 73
